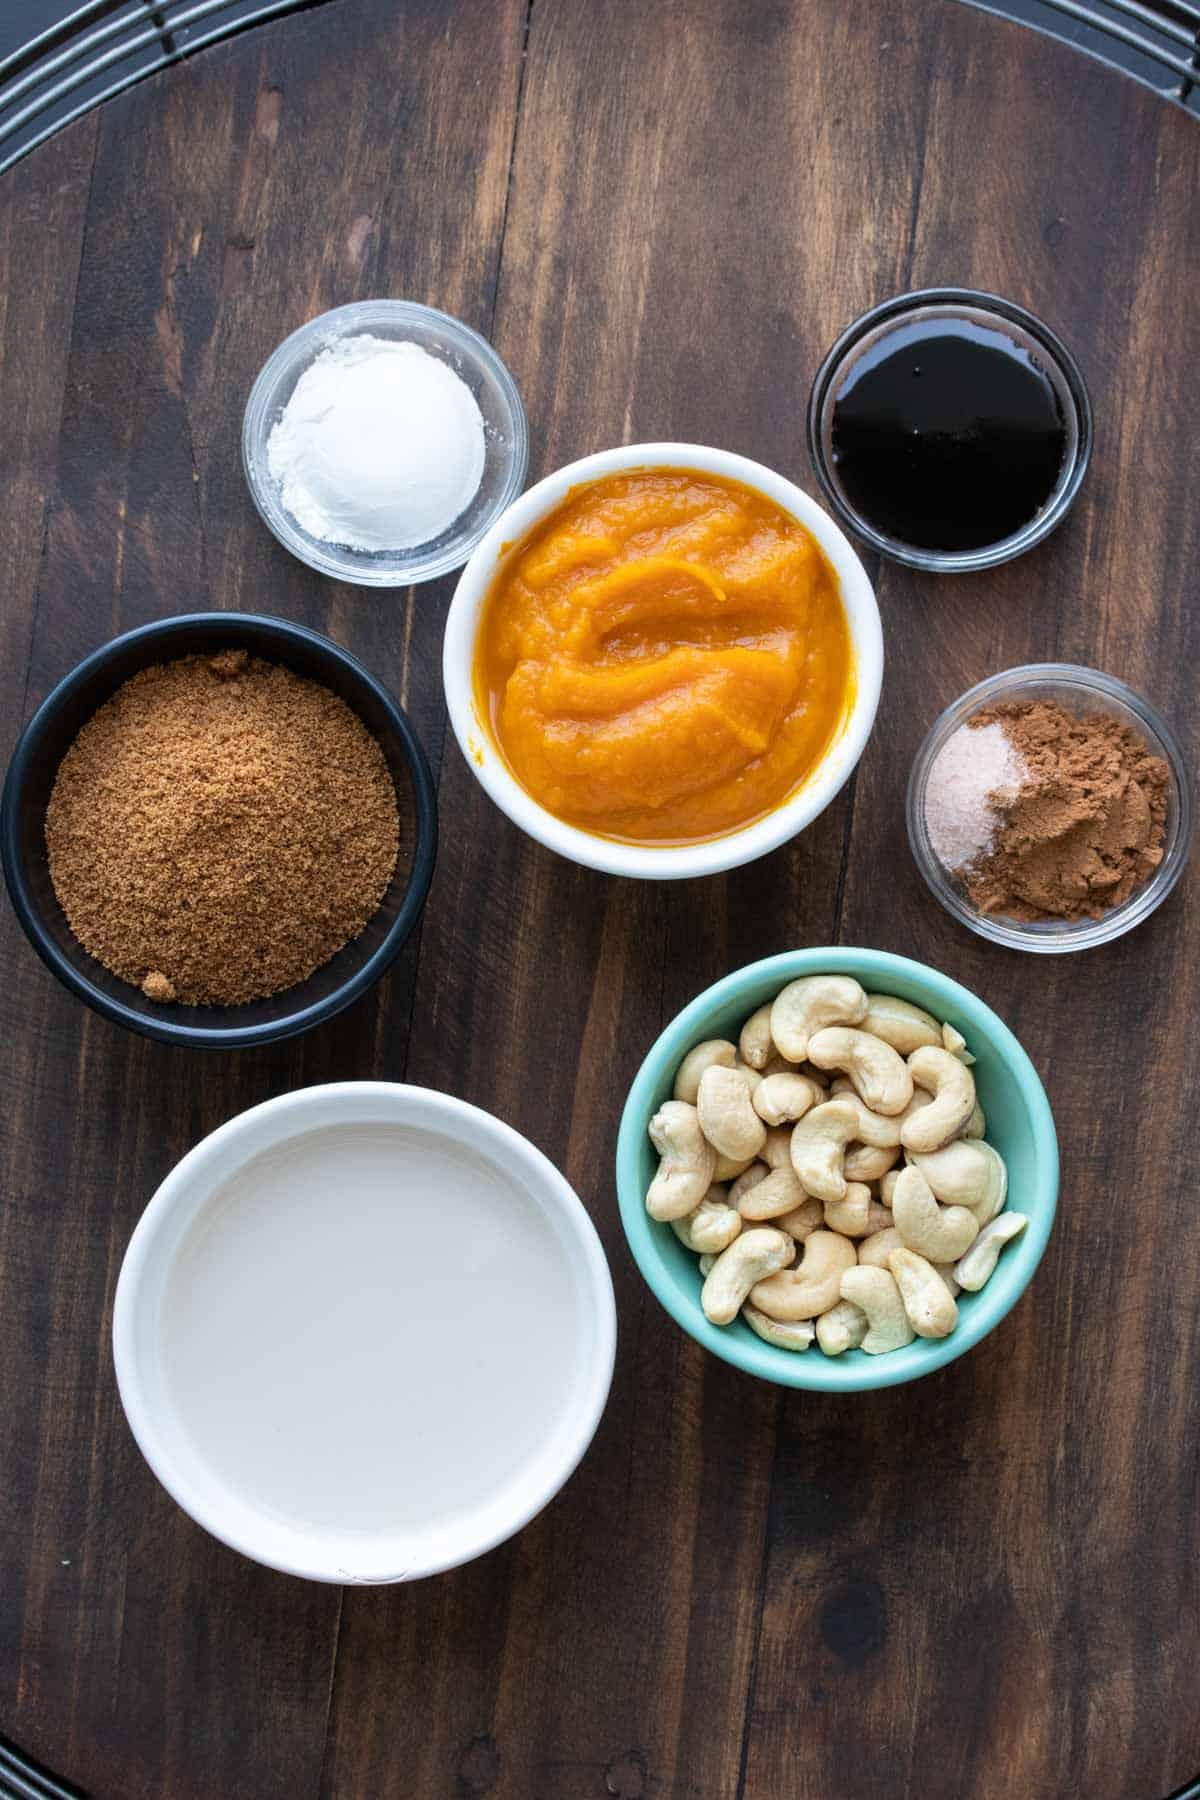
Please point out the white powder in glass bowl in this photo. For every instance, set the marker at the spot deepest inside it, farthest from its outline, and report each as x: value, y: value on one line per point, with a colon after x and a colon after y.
x: 380, y: 447
x: 972, y: 765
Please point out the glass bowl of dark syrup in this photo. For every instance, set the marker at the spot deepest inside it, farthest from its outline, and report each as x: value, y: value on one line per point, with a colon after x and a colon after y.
x: 950, y: 429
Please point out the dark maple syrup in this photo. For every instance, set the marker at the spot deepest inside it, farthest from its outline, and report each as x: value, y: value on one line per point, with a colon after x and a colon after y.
x: 948, y: 435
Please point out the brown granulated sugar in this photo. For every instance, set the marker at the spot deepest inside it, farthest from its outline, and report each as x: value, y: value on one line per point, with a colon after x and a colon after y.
x: 1085, y: 827
x: 220, y: 828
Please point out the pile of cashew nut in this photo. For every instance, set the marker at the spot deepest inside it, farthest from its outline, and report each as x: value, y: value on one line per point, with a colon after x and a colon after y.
x: 779, y: 1170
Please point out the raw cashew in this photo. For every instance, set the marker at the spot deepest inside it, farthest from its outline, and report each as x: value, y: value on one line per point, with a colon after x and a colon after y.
x: 927, y: 1300
x: 777, y: 1149
x: 796, y: 1334
x: 810, y: 1288
x: 887, y: 1186
x: 946, y: 1271
x: 843, y: 1327
x: 953, y: 1090
x: 712, y: 1227
x: 806, y: 1006
x: 956, y: 1044
x: 781, y: 1099
x: 849, y: 1215
x: 746, y: 1180
x: 976, y: 1126
x: 876, y: 1292
x: 859, y: 1215
x: 880, y: 1076
x: 920, y: 1098
x: 967, y: 1173
x: 818, y: 1077
x: 803, y: 1221
x: 904, y: 1026
x: 881, y: 1132
x: 756, y: 1044
x: 776, y: 1194
x: 938, y: 1233
x: 750, y: 1258
x: 874, y: 1251
x: 877, y: 1143
x: 973, y: 1270
x: 863, y: 1162
x: 727, y: 1118
x: 819, y: 1144
x: 685, y: 1172
x: 713, y: 1053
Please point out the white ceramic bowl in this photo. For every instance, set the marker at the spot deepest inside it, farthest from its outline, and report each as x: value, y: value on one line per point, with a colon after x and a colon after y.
x: 649, y: 861
x: 289, y: 1544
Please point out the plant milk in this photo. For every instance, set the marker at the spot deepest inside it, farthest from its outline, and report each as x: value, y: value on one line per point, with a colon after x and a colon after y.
x: 370, y: 1329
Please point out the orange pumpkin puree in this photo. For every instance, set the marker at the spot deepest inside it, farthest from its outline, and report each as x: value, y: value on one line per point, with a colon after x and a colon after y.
x: 665, y: 658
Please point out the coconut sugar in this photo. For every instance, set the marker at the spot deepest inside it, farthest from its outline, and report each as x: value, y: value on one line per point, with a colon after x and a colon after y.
x: 220, y: 828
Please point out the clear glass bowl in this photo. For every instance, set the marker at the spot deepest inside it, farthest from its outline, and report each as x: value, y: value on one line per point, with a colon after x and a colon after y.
x: 866, y: 333
x: 1077, y: 690
x: 472, y: 358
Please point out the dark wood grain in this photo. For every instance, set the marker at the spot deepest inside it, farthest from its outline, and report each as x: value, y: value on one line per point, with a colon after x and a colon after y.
x: 139, y: 1657
x: 985, y: 1584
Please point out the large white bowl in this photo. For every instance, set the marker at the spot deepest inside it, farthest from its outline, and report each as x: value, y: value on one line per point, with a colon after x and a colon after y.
x: 356, y: 1556
x: 714, y: 854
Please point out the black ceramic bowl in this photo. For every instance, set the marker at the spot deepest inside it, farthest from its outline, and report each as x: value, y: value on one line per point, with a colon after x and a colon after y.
x: 49, y: 735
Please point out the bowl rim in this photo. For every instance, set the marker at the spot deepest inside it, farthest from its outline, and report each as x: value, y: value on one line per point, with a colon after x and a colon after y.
x: 230, y: 1146
x: 1051, y: 938
x: 251, y: 626
x: 815, y: 1372
x: 301, y: 346
x: 712, y: 855
x: 988, y: 556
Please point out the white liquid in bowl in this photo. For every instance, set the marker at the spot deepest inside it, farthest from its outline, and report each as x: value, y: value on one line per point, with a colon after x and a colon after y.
x: 370, y: 1329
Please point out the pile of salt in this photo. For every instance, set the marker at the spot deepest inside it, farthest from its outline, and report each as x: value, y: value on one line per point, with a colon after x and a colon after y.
x: 972, y: 766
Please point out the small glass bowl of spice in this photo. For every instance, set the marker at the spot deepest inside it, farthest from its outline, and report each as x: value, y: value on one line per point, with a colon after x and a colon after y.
x: 381, y: 440
x: 1050, y: 808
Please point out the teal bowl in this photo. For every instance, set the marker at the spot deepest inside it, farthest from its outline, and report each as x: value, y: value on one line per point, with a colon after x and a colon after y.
x: 1020, y: 1126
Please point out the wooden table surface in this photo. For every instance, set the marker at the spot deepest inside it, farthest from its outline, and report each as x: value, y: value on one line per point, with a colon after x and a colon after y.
x: 984, y: 1584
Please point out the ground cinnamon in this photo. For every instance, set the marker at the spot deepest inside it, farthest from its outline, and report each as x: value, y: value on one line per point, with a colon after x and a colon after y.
x: 1084, y: 828
x: 220, y: 828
